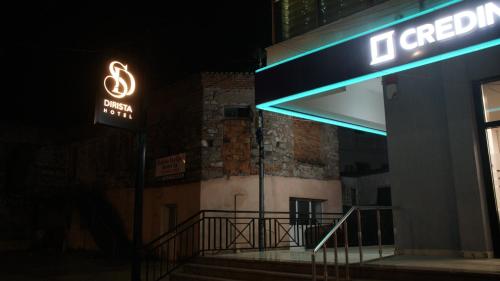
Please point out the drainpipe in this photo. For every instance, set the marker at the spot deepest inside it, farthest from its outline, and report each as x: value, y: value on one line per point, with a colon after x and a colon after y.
x: 260, y: 140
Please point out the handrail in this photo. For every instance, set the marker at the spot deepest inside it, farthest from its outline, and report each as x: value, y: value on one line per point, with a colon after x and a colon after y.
x: 213, y: 231
x: 178, y: 226
x: 266, y: 212
x: 149, y: 244
x: 333, y: 232
x: 334, y: 229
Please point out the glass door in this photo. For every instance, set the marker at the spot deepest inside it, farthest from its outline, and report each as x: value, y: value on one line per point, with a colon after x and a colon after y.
x: 493, y: 139
x: 491, y: 106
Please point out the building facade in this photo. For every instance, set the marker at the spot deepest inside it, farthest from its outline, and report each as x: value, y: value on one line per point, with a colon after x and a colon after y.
x: 210, y: 120
x: 423, y: 74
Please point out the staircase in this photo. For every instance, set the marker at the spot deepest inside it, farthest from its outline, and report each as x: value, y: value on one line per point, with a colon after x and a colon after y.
x: 195, y: 250
x: 225, y: 269
x: 214, y: 232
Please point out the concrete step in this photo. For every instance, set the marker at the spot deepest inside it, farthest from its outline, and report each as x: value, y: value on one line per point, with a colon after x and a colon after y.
x: 212, y: 273
x: 240, y: 269
x: 244, y: 274
x: 276, y: 266
x: 179, y: 276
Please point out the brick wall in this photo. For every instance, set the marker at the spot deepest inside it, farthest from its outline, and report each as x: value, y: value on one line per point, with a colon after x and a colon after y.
x: 293, y: 147
x: 300, y: 148
x: 307, y: 142
x: 174, y: 127
x: 229, y: 145
x: 236, y: 148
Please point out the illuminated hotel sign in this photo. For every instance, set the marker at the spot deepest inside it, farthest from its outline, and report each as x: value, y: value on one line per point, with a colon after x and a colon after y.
x: 449, y: 30
x: 452, y: 27
x: 117, y: 102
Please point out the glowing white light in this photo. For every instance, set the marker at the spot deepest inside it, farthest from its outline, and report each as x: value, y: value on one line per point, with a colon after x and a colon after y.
x: 404, y: 40
x: 425, y: 33
x: 122, y: 85
x: 481, y: 17
x: 491, y: 10
x: 460, y: 27
x: 443, y: 28
x: 417, y: 53
x: 390, y: 54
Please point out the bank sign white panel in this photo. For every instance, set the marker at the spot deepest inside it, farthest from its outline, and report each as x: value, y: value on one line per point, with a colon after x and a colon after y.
x: 449, y: 30
x: 458, y: 26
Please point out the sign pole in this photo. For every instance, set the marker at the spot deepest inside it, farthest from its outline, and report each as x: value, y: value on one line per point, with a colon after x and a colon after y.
x: 260, y: 140
x: 138, y: 207
x: 118, y: 105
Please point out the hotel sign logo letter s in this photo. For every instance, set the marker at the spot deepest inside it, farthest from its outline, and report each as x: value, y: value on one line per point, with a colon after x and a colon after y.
x: 118, y: 103
x: 121, y: 82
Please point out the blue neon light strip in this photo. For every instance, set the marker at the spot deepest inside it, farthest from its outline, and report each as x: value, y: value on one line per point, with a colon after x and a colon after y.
x: 325, y: 120
x: 384, y: 72
x: 444, y: 5
x: 269, y: 106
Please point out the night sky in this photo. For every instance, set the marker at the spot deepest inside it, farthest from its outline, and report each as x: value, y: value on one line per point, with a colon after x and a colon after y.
x: 53, y: 53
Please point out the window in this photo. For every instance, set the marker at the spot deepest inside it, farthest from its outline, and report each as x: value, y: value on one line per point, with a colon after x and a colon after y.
x: 491, y: 101
x: 305, y: 211
x: 237, y: 112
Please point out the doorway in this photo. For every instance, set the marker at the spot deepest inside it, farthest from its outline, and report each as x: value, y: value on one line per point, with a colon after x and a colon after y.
x: 169, y: 217
x: 489, y: 134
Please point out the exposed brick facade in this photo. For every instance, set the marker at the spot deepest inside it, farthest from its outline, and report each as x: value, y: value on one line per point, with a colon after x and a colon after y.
x: 236, y: 147
x: 227, y: 145
x: 300, y: 148
x: 174, y: 127
x: 68, y: 180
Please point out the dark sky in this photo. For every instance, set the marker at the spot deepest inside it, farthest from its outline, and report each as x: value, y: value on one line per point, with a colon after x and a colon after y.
x: 53, y: 53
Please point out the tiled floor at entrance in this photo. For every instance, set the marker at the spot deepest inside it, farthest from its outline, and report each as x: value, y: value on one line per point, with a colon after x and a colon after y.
x: 371, y: 257
x: 301, y: 255
x: 443, y: 263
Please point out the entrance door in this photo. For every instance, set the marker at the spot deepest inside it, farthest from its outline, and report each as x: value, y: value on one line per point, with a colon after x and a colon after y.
x: 169, y: 220
x: 489, y: 126
x: 493, y: 139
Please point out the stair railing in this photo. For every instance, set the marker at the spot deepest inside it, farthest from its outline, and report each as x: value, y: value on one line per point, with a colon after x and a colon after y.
x: 211, y: 232
x: 342, y: 224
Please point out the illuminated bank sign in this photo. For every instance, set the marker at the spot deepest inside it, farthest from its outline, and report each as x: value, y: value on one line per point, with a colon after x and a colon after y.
x: 117, y: 101
x: 449, y: 30
x: 458, y: 26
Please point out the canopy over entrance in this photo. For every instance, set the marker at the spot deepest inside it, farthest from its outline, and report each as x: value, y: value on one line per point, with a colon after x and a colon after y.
x: 340, y: 83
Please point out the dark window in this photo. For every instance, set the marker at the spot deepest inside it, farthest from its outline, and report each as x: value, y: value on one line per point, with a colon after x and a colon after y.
x: 169, y: 217
x: 354, y: 197
x: 238, y: 112
x: 384, y: 196
x: 305, y: 211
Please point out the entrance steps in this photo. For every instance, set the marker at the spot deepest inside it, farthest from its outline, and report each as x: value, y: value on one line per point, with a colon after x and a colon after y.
x: 230, y: 269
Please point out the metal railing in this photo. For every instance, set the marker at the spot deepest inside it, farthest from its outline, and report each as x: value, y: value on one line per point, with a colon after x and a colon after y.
x: 342, y: 224
x: 214, y: 231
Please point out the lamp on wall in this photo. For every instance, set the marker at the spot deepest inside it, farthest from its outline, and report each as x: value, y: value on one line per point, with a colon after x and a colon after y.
x: 390, y: 84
